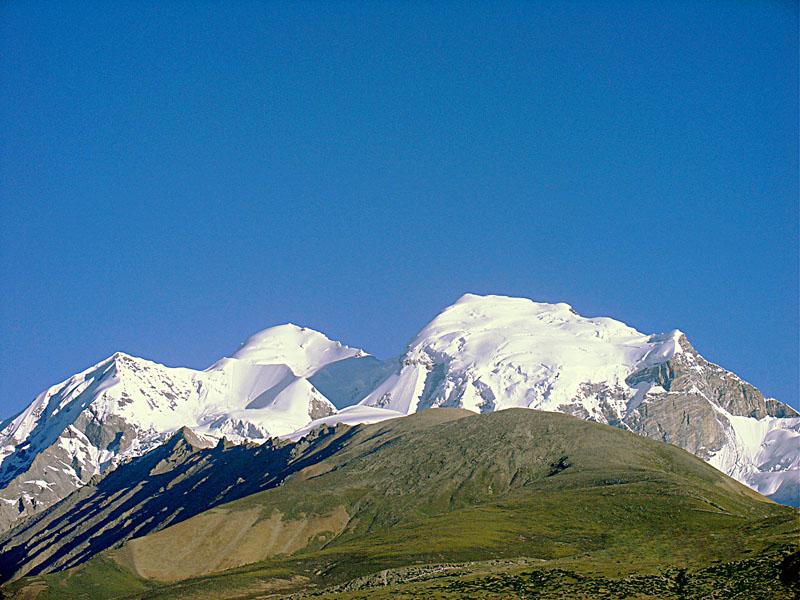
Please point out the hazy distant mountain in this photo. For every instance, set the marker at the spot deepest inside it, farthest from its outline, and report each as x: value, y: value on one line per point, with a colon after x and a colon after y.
x: 482, y: 354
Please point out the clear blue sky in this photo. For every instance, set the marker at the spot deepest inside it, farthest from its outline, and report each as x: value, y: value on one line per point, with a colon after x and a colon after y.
x: 175, y: 176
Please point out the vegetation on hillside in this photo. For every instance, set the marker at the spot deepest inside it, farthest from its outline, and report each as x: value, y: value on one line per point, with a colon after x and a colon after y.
x: 449, y: 504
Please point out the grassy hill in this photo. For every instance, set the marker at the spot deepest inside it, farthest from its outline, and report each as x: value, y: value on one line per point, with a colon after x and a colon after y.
x: 449, y: 504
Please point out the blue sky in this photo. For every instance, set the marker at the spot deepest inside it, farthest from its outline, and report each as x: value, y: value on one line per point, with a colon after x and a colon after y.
x: 176, y: 176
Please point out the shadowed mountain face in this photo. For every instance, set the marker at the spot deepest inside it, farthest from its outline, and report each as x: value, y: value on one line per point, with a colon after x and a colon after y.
x: 435, y: 487
x: 174, y: 482
x: 347, y: 381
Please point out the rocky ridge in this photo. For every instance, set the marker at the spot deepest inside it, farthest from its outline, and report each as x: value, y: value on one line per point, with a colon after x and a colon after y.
x: 125, y: 406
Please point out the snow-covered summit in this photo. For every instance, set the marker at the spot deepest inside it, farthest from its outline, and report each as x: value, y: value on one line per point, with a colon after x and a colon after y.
x: 493, y: 352
x: 487, y: 353
x: 304, y: 350
x: 475, y: 315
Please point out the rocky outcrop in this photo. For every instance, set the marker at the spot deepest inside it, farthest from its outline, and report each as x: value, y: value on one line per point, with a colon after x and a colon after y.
x: 683, y: 405
x: 683, y: 419
x: 66, y: 465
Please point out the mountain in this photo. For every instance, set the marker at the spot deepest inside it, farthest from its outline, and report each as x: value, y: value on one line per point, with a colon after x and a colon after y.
x: 175, y: 481
x: 494, y: 352
x: 438, y: 504
x: 483, y: 354
x: 125, y: 406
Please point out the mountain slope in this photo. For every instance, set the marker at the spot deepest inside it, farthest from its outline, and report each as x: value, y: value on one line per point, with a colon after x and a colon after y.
x: 491, y: 353
x: 175, y: 481
x: 483, y: 354
x: 125, y: 406
x: 450, y: 486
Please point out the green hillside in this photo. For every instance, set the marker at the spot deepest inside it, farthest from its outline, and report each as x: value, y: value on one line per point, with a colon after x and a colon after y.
x: 449, y: 504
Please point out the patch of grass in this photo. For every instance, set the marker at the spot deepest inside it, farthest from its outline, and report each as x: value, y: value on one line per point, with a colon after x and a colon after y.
x: 97, y: 580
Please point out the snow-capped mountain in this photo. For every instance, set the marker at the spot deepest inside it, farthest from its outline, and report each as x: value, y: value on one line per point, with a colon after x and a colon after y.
x: 483, y: 354
x: 490, y: 353
x: 124, y: 406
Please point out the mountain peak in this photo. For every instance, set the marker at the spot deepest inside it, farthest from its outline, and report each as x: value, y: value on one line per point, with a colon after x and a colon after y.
x: 124, y: 362
x: 472, y: 314
x: 483, y: 353
x: 304, y: 350
x: 497, y: 303
x: 194, y: 439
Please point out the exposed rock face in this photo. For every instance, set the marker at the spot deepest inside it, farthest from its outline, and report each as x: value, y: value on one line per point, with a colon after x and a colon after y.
x: 319, y: 408
x: 712, y: 413
x: 685, y: 420
x: 58, y: 470
x: 684, y: 412
x: 67, y: 441
x: 689, y: 371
